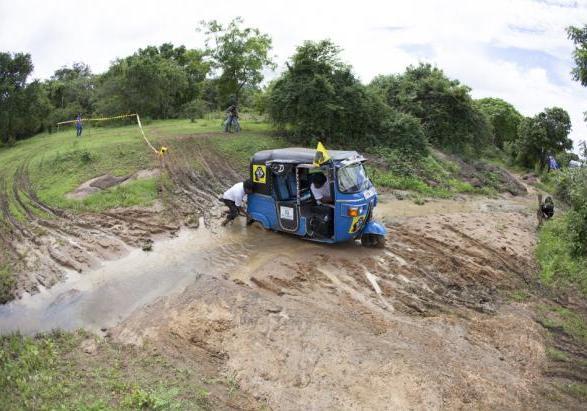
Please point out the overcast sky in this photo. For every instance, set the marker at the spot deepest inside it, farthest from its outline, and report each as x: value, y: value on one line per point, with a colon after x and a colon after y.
x: 515, y: 50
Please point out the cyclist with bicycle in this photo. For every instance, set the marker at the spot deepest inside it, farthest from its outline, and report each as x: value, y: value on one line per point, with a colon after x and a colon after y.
x: 232, y: 118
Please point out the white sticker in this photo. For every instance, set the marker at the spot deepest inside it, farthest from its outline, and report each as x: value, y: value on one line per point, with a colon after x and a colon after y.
x: 369, y: 193
x: 286, y: 213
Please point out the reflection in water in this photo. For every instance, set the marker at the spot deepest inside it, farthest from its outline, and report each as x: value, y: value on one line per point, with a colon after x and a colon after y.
x: 102, y: 297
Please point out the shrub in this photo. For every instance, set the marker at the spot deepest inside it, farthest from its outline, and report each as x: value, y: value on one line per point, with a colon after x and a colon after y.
x: 571, y: 187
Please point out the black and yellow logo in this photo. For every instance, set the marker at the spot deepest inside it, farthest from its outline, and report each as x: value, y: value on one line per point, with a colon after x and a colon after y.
x: 357, y: 224
x: 259, y: 174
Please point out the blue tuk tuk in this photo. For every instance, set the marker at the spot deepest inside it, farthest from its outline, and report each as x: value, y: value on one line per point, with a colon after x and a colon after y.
x: 282, y: 198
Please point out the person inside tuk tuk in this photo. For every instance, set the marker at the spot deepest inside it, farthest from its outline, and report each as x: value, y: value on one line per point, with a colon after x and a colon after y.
x: 320, y: 189
x: 234, y: 198
x: 320, y: 222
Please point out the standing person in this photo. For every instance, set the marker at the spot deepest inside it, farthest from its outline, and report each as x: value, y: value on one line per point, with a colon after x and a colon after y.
x: 79, y: 125
x: 232, y: 117
x: 234, y: 198
x: 552, y: 163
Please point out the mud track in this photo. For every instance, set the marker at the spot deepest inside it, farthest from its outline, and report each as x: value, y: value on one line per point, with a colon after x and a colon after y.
x: 428, y: 322
x: 44, y: 243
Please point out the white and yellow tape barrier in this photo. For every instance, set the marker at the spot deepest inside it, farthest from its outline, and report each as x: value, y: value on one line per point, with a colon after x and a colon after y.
x: 162, y: 150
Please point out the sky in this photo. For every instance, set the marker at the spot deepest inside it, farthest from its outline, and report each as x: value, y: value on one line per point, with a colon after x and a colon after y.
x: 515, y: 50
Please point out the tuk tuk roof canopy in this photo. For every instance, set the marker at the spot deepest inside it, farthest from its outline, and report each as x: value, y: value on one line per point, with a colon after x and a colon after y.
x: 299, y: 155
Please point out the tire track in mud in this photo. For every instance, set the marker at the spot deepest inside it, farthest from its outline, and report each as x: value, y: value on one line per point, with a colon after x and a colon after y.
x: 199, y: 175
x: 45, y: 242
x: 430, y: 310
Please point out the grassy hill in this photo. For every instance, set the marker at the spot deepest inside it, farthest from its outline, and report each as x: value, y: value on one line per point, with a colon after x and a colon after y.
x: 57, y: 163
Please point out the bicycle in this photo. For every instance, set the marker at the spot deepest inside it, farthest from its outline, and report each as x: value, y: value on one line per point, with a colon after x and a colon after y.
x: 232, y: 125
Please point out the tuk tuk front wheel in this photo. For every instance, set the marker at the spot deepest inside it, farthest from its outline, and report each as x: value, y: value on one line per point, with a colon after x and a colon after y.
x: 373, y: 240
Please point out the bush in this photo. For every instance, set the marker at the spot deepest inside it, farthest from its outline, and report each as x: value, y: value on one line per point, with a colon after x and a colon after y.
x: 555, y: 252
x: 319, y: 98
x: 195, y: 109
x: 444, y: 106
x: 571, y: 187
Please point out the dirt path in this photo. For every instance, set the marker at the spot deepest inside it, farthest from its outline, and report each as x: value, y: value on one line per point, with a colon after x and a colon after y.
x: 45, y: 244
x: 429, y: 322
x: 426, y: 323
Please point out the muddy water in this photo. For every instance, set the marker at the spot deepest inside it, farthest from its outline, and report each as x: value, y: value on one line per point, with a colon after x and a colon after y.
x: 101, y: 298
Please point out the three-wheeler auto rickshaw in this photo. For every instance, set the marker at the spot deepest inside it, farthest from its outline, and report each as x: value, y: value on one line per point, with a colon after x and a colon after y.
x: 282, y: 199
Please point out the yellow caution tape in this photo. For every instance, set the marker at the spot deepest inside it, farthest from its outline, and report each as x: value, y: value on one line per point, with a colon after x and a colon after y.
x: 97, y: 119
x: 161, y: 152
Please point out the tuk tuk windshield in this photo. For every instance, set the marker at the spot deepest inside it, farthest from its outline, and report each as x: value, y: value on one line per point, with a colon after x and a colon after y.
x: 353, y: 179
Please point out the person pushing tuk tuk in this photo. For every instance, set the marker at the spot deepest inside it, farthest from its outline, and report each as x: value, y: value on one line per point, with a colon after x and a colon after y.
x: 234, y: 198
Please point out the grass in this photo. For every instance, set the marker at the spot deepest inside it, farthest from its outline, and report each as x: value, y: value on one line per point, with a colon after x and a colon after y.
x: 60, y: 162
x: 571, y: 323
x: 240, y: 150
x: 7, y: 283
x: 52, y: 371
x: 429, y: 176
x: 519, y: 296
x: 556, y: 355
x: 577, y: 390
x: 558, y: 266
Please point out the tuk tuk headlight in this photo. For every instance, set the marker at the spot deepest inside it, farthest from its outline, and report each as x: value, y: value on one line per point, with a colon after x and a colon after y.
x: 353, y: 211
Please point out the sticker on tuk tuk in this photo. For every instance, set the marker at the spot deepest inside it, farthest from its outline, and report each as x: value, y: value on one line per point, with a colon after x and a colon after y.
x: 259, y: 174
x: 356, y: 224
x: 369, y: 193
x: 286, y: 213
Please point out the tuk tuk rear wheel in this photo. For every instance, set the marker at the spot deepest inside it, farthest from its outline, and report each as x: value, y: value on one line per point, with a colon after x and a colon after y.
x: 373, y: 241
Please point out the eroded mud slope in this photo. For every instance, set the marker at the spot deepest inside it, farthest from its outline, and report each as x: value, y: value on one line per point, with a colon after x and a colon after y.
x: 42, y: 243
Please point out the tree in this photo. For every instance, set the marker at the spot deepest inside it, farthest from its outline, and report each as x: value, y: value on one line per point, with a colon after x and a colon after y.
x: 583, y: 150
x: 159, y: 82
x: 318, y: 97
x: 240, y: 54
x: 504, y: 118
x: 544, y: 134
x: 23, y: 106
x: 444, y: 106
x: 71, y: 91
x: 579, y: 37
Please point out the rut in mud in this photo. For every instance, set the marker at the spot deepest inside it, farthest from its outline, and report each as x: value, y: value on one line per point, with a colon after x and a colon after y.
x: 425, y: 323
x: 43, y: 243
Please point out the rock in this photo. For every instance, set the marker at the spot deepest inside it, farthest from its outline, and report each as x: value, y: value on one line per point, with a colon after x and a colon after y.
x: 89, y: 346
x: 107, y: 181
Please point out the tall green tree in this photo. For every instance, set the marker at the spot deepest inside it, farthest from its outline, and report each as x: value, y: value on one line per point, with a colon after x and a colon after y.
x: 583, y: 150
x: 444, y: 106
x: 155, y: 82
x: 504, y: 118
x: 240, y: 54
x: 579, y: 36
x: 318, y: 97
x: 23, y: 106
x: 71, y: 91
x: 544, y: 134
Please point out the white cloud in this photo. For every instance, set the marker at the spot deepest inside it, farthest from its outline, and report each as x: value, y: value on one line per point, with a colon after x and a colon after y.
x: 373, y: 35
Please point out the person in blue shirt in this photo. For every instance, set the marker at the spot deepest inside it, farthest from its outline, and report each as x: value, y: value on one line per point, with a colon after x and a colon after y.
x: 552, y: 163
x: 79, y: 125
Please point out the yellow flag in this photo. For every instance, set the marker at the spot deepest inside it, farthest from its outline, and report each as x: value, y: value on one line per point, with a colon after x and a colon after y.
x: 321, y: 155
